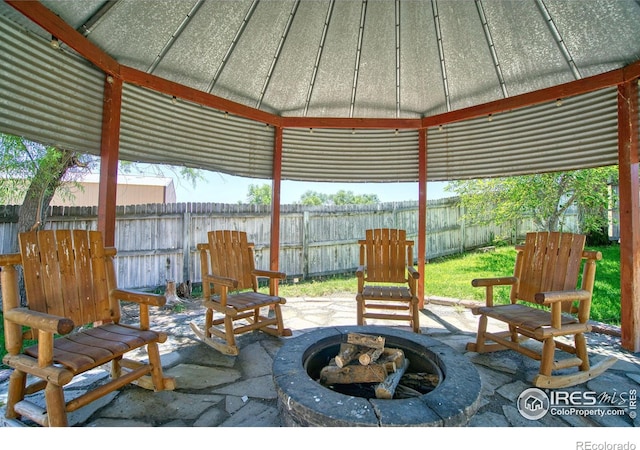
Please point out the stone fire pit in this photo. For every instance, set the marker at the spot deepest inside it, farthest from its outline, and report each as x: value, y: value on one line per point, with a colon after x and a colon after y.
x: 303, y: 401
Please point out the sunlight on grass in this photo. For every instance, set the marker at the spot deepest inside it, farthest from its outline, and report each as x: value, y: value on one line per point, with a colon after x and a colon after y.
x: 606, y: 291
x: 451, y: 277
x: 336, y: 285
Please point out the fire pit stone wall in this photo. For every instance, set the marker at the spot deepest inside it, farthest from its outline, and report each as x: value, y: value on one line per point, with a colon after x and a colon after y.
x: 303, y: 401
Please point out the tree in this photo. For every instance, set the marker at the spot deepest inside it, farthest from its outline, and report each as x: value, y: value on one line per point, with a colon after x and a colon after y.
x: 544, y: 197
x: 341, y: 197
x: 349, y: 198
x: 33, y: 171
x: 188, y: 174
x: 259, y: 194
x: 312, y: 198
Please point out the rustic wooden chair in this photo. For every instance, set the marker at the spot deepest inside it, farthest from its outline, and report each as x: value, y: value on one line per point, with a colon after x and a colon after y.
x: 70, y: 282
x: 544, y: 288
x: 234, y: 306
x: 386, y: 278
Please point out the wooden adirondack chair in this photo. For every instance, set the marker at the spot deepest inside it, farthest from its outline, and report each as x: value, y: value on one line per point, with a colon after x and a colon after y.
x: 69, y: 282
x: 546, y: 275
x: 227, y: 261
x: 386, y: 278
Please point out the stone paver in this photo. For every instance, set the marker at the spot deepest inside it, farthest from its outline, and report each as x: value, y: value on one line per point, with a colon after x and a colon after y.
x: 215, y: 390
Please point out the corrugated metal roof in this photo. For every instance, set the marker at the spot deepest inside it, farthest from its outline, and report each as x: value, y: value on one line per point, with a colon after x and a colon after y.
x: 53, y: 100
x: 328, y: 58
x: 579, y: 132
x: 157, y: 128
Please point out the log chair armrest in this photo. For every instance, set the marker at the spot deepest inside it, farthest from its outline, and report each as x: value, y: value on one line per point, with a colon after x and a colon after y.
x: 143, y: 298
x: 413, y: 272
x: 40, y: 321
x: 11, y: 259
x: 223, y: 281
x: 498, y: 281
x: 489, y: 283
x: 360, y: 271
x: 269, y: 274
x: 548, y: 298
x: 273, y: 279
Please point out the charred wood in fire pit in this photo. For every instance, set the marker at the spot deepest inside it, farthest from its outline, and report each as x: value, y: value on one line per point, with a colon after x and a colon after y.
x: 364, y: 359
x: 387, y: 388
x: 354, y: 373
x: 403, y: 391
x: 420, y: 381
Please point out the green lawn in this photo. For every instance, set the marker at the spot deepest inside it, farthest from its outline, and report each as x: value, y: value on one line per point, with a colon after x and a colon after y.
x: 451, y: 277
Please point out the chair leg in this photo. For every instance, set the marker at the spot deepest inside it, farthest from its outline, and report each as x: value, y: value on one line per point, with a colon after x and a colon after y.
x: 17, y: 384
x: 116, y: 368
x: 156, y: 367
x: 548, y: 353
x: 581, y: 351
x: 282, y: 331
x: 515, y: 338
x: 482, y: 330
x: 208, y: 322
x: 228, y: 331
x: 54, y: 398
x: 415, y: 321
x: 360, y: 311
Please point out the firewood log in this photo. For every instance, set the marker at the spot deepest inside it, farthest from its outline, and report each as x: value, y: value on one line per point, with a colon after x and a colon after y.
x: 387, y: 388
x: 348, y: 352
x: 366, y: 340
x: 369, y: 356
x: 353, y: 373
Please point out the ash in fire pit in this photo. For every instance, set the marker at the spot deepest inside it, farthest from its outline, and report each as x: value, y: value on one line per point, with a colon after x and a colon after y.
x: 365, y: 367
x: 306, y: 398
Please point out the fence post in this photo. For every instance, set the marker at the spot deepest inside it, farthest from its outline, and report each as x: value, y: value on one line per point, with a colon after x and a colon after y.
x: 305, y: 244
x: 186, y: 239
x: 462, y: 227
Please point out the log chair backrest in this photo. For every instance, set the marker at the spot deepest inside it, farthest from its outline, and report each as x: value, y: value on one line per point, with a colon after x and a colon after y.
x: 66, y: 273
x: 232, y: 257
x: 548, y: 261
x: 386, y: 253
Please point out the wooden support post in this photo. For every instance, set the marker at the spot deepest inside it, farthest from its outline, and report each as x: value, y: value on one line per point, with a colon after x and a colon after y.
x: 629, y: 215
x: 274, y: 249
x: 422, y: 212
x: 109, y: 150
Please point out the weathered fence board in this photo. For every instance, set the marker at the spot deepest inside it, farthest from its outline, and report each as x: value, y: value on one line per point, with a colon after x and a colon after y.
x: 157, y: 242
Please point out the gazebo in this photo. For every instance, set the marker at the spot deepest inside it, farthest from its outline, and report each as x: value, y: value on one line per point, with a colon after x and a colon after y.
x: 335, y: 90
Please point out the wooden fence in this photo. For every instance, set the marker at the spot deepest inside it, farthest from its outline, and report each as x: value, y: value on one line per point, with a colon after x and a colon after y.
x: 157, y: 242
